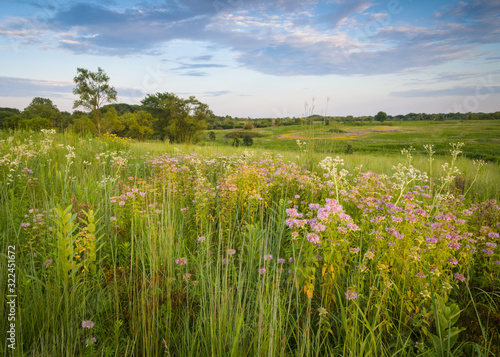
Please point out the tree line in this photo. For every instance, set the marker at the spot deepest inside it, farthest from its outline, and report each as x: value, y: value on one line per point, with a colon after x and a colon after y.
x: 163, y: 115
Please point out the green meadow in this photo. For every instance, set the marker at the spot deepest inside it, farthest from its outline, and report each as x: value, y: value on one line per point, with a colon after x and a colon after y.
x: 299, y: 245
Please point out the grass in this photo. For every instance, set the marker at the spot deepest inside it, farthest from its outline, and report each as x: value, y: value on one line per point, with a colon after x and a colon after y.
x: 102, y: 228
x: 481, y: 137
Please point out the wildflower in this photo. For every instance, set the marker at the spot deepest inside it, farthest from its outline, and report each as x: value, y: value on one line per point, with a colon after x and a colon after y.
x: 425, y: 294
x: 421, y: 275
x: 459, y: 276
x: 121, y: 203
x: 453, y: 261
x: 47, y: 262
x: 322, y: 311
x: 181, y: 261
x: 487, y: 251
x: 491, y: 245
x: 268, y: 257
x: 493, y: 235
x: 201, y: 239
x: 354, y: 250
x: 262, y: 270
x: 351, y: 295
x: 290, y: 260
x: 88, y: 324
x: 370, y: 255
x: 313, y: 206
x: 231, y: 251
x: 186, y: 276
x: 113, y: 218
x: 25, y: 225
x: 313, y: 238
x: 281, y: 260
x: 90, y: 341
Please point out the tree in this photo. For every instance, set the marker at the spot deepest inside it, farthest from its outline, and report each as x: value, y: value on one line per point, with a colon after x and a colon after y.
x: 94, y: 90
x: 247, y: 140
x: 44, y: 108
x: 110, y: 121
x: 381, y: 117
x: 211, y: 136
x: 179, y: 120
x: 140, y: 124
x: 35, y: 124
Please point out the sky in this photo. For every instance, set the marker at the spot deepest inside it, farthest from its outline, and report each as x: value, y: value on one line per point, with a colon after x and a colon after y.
x: 259, y: 58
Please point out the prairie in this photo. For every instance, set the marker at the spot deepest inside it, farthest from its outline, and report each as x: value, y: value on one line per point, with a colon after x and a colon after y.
x: 126, y: 248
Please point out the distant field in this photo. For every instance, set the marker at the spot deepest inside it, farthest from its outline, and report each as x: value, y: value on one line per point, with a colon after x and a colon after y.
x: 481, y: 138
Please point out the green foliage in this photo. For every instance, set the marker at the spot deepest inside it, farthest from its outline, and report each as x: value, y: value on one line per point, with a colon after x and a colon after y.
x: 65, y: 239
x: 247, y: 140
x: 34, y: 124
x: 44, y: 108
x: 446, y: 336
x: 179, y: 120
x: 140, y: 124
x: 211, y: 136
x: 82, y: 124
x: 242, y: 134
x: 381, y: 117
x: 94, y: 90
x: 10, y: 121
x: 110, y: 121
x: 236, y: 142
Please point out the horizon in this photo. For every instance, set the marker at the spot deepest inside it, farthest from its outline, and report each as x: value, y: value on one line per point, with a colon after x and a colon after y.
x: 260, y: 59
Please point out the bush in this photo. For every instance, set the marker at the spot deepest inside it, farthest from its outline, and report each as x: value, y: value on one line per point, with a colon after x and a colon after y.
x: 247, y: 141
x: 242, y: 134
x: 336, y: 130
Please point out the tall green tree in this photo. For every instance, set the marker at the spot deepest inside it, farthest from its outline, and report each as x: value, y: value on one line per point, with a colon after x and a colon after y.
x: 179, y: 120
x: 381, y: 117
x: 94, y: 90
x: 44, y: 108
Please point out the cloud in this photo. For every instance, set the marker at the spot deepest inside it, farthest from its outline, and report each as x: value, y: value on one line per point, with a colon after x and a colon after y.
x: 447, y: 92
x: 277, y: 37
x: 216, y: 93
x: 25, y: 87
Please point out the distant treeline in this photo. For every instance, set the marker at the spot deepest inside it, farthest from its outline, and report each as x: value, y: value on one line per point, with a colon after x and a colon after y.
x: 165, y: 116
x: 228, y: 122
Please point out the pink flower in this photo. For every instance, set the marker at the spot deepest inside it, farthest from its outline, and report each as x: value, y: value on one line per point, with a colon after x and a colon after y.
x: 88, y: 324
x: 262, y: 270
x: 420, y: 275
x: 459, y: 276
x: 231, y: 251
x: 313, y: 238
x: 181, y: 261
x: 351, y: 295
x: 201, y: 239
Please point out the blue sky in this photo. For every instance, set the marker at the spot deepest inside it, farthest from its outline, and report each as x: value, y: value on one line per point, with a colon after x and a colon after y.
x: 259, y: 58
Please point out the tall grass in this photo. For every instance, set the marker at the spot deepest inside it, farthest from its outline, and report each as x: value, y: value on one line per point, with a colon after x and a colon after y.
x: 231, y: 298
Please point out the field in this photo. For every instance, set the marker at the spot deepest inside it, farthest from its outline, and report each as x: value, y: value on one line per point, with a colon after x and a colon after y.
x: 284, y: 248
x: 481, y: 138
